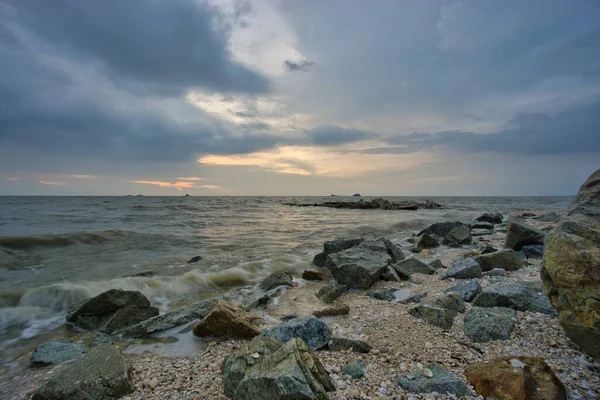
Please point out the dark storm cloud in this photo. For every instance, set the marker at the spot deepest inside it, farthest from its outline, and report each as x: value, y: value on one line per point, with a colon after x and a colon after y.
x: 298, y: 66
x: 568, y: 132
x: 329, y: 135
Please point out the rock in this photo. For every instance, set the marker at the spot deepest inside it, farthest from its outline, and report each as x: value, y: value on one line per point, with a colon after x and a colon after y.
x: 500, y: 379
x: 169, y: 320
x: 412, y: 265
x: 571, y: 268
x: 391, y: 275
x: 340, y: 309
x: 357, y: 346
x: 400, y: 274
x: 59, y: 352
x: 406, y: 205
x: 441, y: 382
x: 466, y: 268
x: 517, y: 297
x: 278, y: 278
x: 485, y: 248
x: 495, y: 272
x: 467, y: 291
x: 142, y: 274
x: 194, y: 259
x: 425, y: 241
x: 394, y: 250
x: 451, y: 301
x: 528, y: 215
x: 112, y: 310
x: 227, y: 321
x: 361, y: 266
x: 494, y: 218
x: 102, y: 373
x: 521, y: 234
x: 356, y: 195
x: 335, y: 246
x: 331, y: 291
x: 533, y: 251
x: 382, y: 203
x: 487, y: 324
x: 314, y: 332
x: 436, y: 264
x: 482, y: 225
x: 507, y: 259
x: 249, y: 297
x: 384, y: 294
x: 483, y: 232
x: 438, y: 316
x: 440, y: 229
x: 355, y: 369
x: 282, y: 371
x: 311, y: 275
x: 458, y: 235
x: 549, y: 217
x: 288, y: 317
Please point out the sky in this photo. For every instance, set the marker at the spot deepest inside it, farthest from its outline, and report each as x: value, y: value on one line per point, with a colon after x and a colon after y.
x: 312, y: 97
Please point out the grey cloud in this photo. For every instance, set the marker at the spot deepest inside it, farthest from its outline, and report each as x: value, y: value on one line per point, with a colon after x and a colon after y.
x: 329, y: 135
x: 255, y: 126
x: 298, y: 66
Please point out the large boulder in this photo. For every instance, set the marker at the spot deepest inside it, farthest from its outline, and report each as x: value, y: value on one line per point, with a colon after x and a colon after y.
x: 435, y: 315
x: 102, y: 374
x: 314, y: 332
x: 451, y: 301
x: 515, y: 377
x: 331, y: 291
x: 361, y: 266
x: 425, y: 241
x: 517, y: 297
x: 111, y: 311
x: 269, y: 369
x: 437, y: 380
x: 227, y: 321
x: 460, y: 234
x: 487, y: 324
x: 259, y: 296
x: 507, y: 259
x: 440, y: 229
x: 466, y: 268
x: 571, y: 268
x: 519, y: 234
x: 59, y: 352
x: 394, y: 250
x: 181, y: 316
x: 467, y: 291
x: 494, y: 218
x: 274, y: 280
x: 411, y: 266
x: 333, y: 246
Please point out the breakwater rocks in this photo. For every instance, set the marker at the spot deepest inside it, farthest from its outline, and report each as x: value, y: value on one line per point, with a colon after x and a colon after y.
x: 379, y: 203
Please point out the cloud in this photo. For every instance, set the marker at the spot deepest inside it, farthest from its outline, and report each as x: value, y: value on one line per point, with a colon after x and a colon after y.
x: 52, y: 183
x: 189, y: 178
x: 13, y: 178
x: 177, y: 185
x: 256, y: 126
x: 298, y: 66
x: 329, y: 135
x: 79, y: 176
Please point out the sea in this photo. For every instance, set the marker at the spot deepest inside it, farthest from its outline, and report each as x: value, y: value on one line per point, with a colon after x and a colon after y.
x: 55, y: 251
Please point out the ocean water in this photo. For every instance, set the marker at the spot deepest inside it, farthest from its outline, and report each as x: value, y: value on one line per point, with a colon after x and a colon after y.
x: 55, y: 251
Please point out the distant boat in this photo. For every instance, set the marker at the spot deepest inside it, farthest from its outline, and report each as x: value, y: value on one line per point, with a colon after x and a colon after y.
x: 187, y: 195
x: 356, y: 195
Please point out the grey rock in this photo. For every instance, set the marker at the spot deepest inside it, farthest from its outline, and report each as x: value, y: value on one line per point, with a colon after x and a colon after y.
x: 440, y: 229
x: 59, y: 352
x: 288, y: 317
x: 278, y: 278
x: 517, y: 297
x: 451, y: 301
x: 174, y: 318
x: 495, y: 272
x: 357, y: 346
x: 441, y: 382
x: 331, y: 291
x: 314, y: 332
x: 466, y: 268
x: 356, y: 369
x: 394, y: 250
x: 103, y: 374
x: 497, y: 279
x: 436, y: 264
x: 334, y: 246
x: 361, y: 266
x: 458, y: 235
x: 399, y: 272
x: 425, y: 241
x: 549, y: 217
x: 482, y: 225
x: 194, y: 259
x: 415, y: 298
x: 438, y: 316
x: 520, y: 234
x: 533, y: 251
x: 413, y: 265
x: 507, y: 259
x: 487, y: 324
x: 311, y: 275
x: 485, y: 248
x: 384, y: 294
x: 467, y: 291
x: 483, y: 232
x: 391, y: 275
x: 494, y: 218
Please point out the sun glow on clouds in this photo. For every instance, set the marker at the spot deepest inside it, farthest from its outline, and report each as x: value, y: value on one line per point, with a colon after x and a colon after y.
x: 179, y: 185
x: 189, y: 178
x: 80, y: 176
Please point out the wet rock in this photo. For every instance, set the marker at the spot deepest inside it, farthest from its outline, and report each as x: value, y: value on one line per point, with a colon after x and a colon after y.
x: 276, y: 279
x: 194, y: 259
x: 281, y: 371
x: 466, y: 268
x: 441, y: 381
x: 357, y: 346
x: 436, y: 264
x: 361, y: 266
x: 227, y: 321
x: 314, y: 332
x: 517, y: 297
x: 495, y: 272
x: 487, y: 324
x: 412, y: 265
x: 339, y: 309
x: 142, y: 274
x: 440, y: 229
x: 59, y: 352
x: 467, y: 291
x: 508, y: 260
x: 331, y: 291
x: 391, y: 275
x: 483, y: 232
x: 384, y: 294
x: 425, y: 241
x: 438, y: 316
x: 103, y: 373
x: 549, y: 217
x: 112, y: 310
x: 451, y: 301
x: 533, y: 251
x: 174, y: 318
x: 485, y: 248
x: 520, y: 234
x: 356, y: 369
x: 335, y: 246
x: 531, y: 378
x: 311, y: 275
x: 458, y: 235
x: 394, y: 250
x: 288, y: 317
x: 494, y: 218
x: 482, y: 225
x: 571, y: 267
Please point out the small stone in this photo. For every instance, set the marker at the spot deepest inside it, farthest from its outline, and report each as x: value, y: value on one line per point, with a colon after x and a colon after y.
x: 516, y: 363
x: 427, y: 372
x: 153, y: 383
x: 255, y: 355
